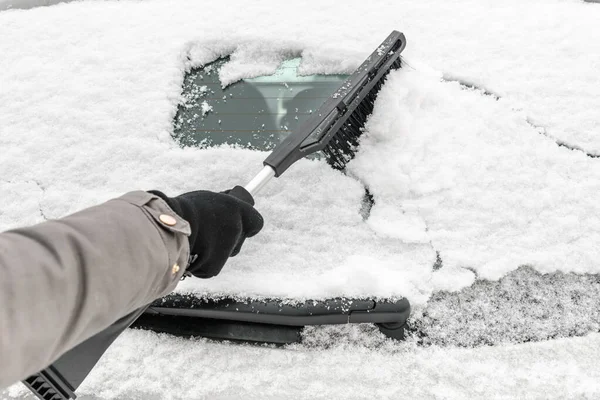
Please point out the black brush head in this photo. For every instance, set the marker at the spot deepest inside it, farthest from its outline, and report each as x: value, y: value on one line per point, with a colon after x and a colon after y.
x: 337, y: 125
x: 343, y: 144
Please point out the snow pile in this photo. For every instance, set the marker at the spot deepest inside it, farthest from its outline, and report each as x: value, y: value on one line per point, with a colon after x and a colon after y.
x: 469, y: 174
x: 315, y: 244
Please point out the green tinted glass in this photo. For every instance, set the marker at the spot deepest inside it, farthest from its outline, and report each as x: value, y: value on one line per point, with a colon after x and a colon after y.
x: 255, y: 113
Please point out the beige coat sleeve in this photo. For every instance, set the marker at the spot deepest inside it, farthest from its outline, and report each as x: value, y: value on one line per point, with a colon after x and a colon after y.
x: 63, y: 281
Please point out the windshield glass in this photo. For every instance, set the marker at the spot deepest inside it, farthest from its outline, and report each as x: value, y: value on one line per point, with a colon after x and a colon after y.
x: 255, y: 113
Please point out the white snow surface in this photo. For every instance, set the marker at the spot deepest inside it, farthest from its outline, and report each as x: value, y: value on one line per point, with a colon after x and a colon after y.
x: 88, y: 91
x: 471, y: 175
x: 362, y: 365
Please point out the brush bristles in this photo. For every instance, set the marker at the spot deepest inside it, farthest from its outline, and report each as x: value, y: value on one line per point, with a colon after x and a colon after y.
x: 342, y: 146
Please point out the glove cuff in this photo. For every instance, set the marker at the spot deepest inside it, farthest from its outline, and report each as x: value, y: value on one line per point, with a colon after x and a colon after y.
x: 170, y: 202
x: 241, y: 194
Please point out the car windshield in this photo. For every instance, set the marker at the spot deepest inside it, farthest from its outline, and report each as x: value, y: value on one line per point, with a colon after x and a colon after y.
x: 255, y: 113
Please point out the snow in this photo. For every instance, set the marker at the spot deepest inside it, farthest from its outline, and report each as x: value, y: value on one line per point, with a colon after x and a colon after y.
x: 298, y: 257
x: 88, y: 91
x: 206, y: 108
x: 523, y: 306
x: 96, y: 121
x: 485, y: 188
x: 361, y: 365
x: 25, y: 4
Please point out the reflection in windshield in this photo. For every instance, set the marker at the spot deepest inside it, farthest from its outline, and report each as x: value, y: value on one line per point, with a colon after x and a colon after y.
x: 255, y: 113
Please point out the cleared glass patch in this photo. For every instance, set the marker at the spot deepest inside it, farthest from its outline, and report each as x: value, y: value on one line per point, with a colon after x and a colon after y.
x: 256, y: 113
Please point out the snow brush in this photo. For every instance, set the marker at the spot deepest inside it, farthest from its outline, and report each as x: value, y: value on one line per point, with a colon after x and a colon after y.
x: 333, y: 129
x: 336, y: 126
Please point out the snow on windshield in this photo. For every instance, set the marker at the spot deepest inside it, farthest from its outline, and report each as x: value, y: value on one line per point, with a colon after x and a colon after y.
x: 88, y: 92
x: 88, y: 105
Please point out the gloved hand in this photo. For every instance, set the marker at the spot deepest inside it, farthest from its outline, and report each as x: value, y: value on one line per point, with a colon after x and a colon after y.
x: 220, y: 223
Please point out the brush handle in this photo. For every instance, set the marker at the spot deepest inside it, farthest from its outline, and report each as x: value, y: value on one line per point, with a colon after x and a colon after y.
x: 326, y: 127
x: 260, y: 180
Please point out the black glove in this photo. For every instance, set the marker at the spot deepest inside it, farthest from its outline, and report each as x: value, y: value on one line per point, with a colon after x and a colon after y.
x: 220, y: 223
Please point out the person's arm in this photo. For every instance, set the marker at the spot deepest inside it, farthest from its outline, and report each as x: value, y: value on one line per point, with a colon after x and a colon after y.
x: 63, y: 281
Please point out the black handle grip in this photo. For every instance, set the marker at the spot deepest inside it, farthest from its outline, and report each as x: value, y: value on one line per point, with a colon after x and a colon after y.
x: 65, y: 375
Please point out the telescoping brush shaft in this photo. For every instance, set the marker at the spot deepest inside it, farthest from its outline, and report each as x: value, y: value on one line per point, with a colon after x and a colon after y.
x: 336, y: 126
x: 260, y: 180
